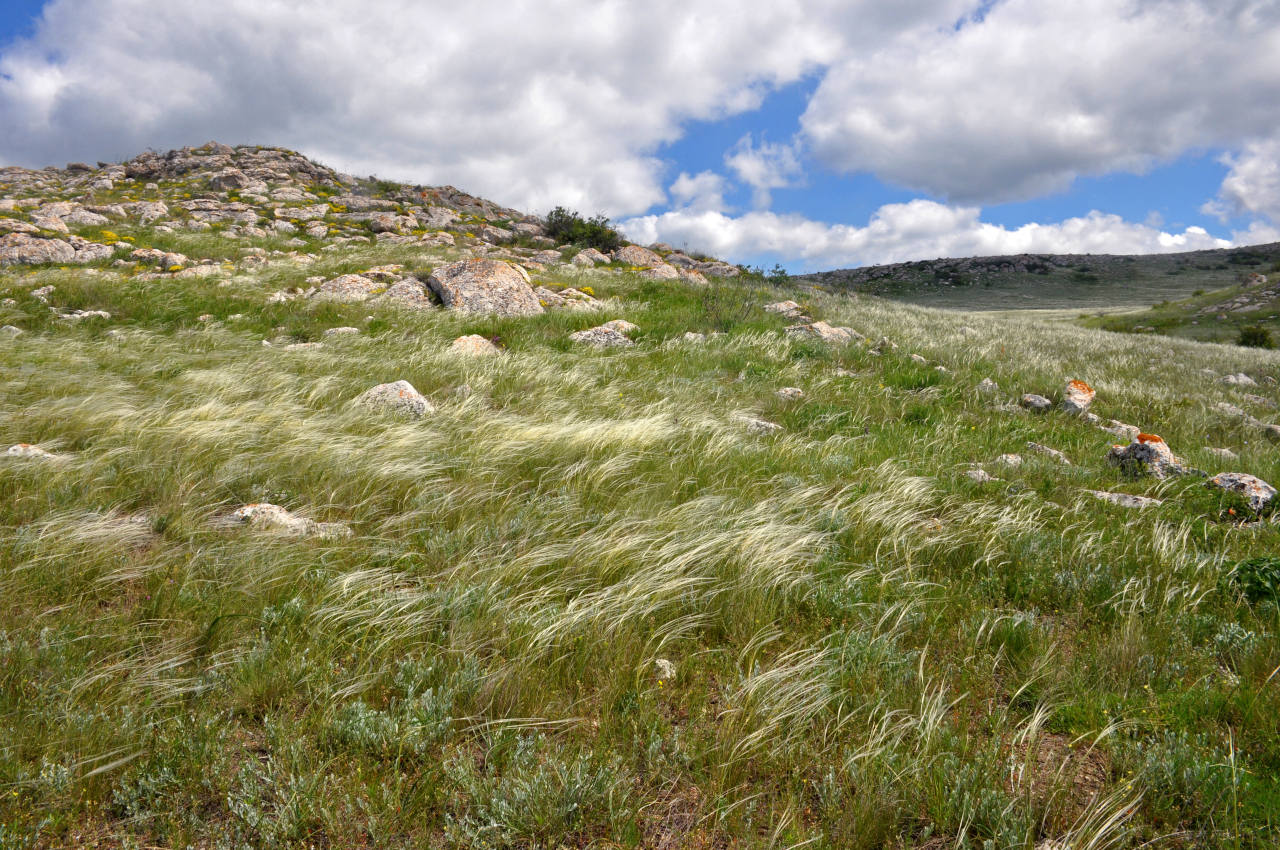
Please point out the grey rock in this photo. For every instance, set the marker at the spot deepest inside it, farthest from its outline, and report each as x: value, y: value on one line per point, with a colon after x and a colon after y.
x: 398, y: 397
x: 1258, y: 492
x: 485, y: 286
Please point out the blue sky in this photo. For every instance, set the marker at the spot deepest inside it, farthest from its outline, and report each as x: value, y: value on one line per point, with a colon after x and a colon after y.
x: 817, y: 133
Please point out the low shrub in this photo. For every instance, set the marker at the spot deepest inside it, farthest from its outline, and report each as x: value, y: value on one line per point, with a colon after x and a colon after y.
x: 1256, y: 336
x: 564, y: 225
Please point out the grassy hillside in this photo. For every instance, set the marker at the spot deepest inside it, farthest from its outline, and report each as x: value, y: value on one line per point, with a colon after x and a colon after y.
x: 1055, y: 281
x: 586, y: 603
x: 1217, y: 316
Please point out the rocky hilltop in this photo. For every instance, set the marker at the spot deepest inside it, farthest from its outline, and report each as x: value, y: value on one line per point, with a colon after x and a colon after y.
x: 63, y: 215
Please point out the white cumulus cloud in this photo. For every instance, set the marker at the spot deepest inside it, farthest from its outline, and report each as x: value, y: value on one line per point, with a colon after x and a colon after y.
x: 1036, y: 94
x: 915, y: 230
x: 531, y: 103
x: 763, y: 167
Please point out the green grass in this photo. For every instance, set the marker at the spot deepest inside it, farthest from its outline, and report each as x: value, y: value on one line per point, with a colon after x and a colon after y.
x: 870, y: 650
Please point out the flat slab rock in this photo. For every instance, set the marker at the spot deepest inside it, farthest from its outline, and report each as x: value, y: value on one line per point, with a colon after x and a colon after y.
x: 398, y: 397
x: 263, y: 516
x: 485, y: 286
x: 1124, y: 500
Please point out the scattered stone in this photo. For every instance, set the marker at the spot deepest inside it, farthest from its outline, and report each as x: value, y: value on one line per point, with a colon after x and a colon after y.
x: 787, y: 310
x: 1224, y: 454
x: 474, y: 345
x: 988, y: 387
x: 409, y: 293
x: 603, y: 336
x: 1010, y: 460
x: 10, y: 330
x: 156, y: 257
x: 621, y: 326
x: 694, y: 337
x: 28, y: 451
x: 350, y: 287
x: 1077, y: 396
x: 662, y: 271
x: 1258, y: 492
x: 485, y: 286
x: 885, y: 344
x: 263, y: 516
x: 397, y: 397
x: 1124, y: 500
x: 790, y: 393
x: 1260, y: 401
x: 1038, y: 403
x: 341, y: 331
x: 1147, y: 454
x: 919, y: 359
x: 664, y: 670
x: 81, y: 315
x: 824, y: 332
x: 25, y: 249
x: 569, y: 299
x: 1049, y: 452
x: 1240, y: 379
x: 762, y: 427
x: 1120, y: 429
x: 980, y: 475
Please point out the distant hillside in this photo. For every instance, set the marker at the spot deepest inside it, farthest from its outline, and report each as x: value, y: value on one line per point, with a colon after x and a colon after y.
x: 1056, y: 281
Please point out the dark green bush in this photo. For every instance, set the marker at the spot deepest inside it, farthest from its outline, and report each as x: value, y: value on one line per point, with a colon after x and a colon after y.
x: 564, y: 225
x: 1258, y: 578
x: 1255, y: 336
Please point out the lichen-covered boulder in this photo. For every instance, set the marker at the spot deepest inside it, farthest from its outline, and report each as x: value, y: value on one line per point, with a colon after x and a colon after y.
x: 634, y: 255
x: 396, y: 397
x: 485, y: 286
x: 1258, y: 492
x: 1077, y: 396
x: 1147, y: 454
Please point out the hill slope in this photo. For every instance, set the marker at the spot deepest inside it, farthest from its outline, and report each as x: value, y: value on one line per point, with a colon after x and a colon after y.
x: 1055, y: 281
x: 726, y: 585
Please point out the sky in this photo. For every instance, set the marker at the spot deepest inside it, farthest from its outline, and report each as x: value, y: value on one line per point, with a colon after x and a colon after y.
x: 814, y: 134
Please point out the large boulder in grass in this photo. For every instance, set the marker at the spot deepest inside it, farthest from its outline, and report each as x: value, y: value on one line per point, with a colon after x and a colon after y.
x: 1077, y: 397
x: 474, y: 345
x: 1148, y: 454
x: 397, y: 397
x: 1258, y: 492
x: 634, y: 255
x: 25, y: 249
x: 485, y: 286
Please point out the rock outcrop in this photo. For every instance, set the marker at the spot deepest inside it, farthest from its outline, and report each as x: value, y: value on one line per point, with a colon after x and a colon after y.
x: 485, y: 286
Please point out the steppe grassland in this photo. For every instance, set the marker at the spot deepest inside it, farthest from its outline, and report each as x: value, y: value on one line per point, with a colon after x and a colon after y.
x: 870, y: 650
